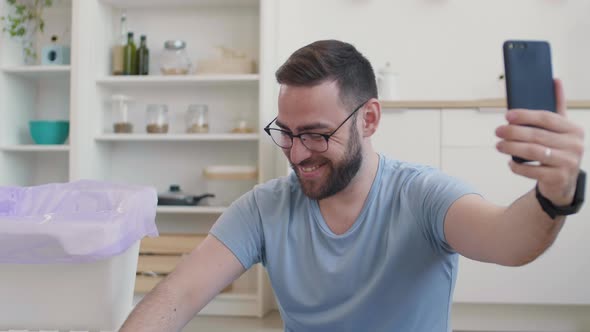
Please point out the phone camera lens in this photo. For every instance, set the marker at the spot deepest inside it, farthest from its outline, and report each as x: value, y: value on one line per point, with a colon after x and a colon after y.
x: 510, y: 45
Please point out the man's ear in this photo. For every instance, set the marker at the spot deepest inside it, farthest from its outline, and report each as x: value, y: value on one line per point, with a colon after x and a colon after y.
x: 371, y: 114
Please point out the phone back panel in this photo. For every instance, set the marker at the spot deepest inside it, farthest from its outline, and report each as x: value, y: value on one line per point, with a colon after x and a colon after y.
x: 529, y: 77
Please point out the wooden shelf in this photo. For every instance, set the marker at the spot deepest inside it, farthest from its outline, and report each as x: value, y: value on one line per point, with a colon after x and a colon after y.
x: 36, y: 72
x: 35, y: 148
x: 177, y: 3
x: 173, y: 80
x: 176, y: 137
x: 455, y: 104
x: 191, y: 209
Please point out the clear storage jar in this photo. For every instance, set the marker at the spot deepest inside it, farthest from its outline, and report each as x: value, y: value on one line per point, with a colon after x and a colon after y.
x: 157, y: 119
x: 197, y: 119
x: 174, y: 58
x: 121, y: 105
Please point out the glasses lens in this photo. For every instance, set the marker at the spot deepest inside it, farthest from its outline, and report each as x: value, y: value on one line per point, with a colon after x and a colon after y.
x: 281, y: 138
x: 314, y: 142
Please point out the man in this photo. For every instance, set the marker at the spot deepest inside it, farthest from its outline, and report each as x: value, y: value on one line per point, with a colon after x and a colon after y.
x: 354, y: 240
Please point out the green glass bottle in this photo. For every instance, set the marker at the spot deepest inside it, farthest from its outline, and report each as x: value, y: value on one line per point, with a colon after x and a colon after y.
x: 143, y: 57
x: 130, y: 58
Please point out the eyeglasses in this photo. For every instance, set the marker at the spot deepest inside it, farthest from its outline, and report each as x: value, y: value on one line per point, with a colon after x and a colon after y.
x: 312, y: 141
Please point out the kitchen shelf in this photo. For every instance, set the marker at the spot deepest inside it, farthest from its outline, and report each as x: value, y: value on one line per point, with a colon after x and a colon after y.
x: 35, y: 148
x: 191, y: 209
x: 173, y: 80
x: 177, y: 3
x: 175, y: 137
x: 36, y: 72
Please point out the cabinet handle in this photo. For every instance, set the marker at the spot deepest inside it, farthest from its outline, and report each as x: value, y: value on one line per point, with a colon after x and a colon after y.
x: 491, y: 109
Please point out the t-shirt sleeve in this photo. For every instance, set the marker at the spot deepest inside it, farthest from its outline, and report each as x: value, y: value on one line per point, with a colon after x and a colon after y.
x: 432, y: 193
x: 239, y: 228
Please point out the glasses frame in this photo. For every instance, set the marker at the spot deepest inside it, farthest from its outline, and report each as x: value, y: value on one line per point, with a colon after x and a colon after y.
x: 267, y: 129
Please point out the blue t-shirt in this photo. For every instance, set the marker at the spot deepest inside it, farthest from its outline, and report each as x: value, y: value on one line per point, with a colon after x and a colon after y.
x: 391, y: 271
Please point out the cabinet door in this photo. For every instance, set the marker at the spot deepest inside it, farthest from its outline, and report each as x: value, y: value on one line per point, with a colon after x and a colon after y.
x: 559, y: 276
x: 409, y: 135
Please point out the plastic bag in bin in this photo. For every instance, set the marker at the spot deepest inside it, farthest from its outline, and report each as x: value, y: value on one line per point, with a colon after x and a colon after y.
x: 76, y: 222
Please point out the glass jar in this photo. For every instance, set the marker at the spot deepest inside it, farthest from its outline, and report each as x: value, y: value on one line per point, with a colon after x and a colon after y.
x: 157, y: 119
x: 242, y: 125
x: 120, y: 106
x: 197, y: 119
x: 174, y: 58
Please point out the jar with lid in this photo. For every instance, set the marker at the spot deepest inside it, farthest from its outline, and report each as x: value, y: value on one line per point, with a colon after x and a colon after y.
x: 174, y: 58
x: 197, y: 119
x: 157, y: 119
x: 120, y: 106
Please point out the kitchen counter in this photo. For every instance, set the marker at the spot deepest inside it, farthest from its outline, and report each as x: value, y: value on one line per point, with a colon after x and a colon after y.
x: 455, y: 104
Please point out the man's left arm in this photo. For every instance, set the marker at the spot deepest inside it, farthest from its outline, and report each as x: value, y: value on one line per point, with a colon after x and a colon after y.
x: 518, y: 234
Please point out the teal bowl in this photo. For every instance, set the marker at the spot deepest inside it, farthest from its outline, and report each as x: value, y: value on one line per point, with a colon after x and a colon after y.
x: 49, y: 132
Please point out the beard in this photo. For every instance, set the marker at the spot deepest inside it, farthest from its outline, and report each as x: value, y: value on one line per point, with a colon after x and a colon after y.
x: 340, y: 173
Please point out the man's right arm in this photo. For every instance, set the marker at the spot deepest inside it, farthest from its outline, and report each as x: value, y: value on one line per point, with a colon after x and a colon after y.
x: 195, y: 281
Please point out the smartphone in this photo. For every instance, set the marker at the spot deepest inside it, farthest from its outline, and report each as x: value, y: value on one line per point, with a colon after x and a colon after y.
x: 529, y: 77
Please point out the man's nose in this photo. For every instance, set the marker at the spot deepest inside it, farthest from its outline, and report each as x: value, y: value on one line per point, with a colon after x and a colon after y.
x: 298, y: 152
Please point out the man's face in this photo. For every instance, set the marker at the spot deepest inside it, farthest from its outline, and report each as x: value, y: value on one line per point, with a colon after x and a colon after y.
x: 318, y: 109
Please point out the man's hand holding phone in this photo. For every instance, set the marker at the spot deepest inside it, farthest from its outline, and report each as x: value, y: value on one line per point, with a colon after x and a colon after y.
x: 549, y: 138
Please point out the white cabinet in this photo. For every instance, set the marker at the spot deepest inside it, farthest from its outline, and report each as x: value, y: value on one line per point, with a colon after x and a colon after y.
x: 409, y: 135
x: 549, y: 294
x: 560, y: 275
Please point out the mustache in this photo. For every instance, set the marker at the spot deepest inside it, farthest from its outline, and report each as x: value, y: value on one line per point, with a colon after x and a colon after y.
x: 309, y: 162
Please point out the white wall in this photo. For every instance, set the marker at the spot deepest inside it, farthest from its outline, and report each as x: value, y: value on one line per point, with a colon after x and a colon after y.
x: 445, y: 49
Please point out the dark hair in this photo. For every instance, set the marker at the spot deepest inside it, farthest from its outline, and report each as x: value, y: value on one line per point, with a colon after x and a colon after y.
x: 331, y: 60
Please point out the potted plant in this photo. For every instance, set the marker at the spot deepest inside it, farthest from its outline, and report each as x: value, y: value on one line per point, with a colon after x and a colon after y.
x: 23, y: 19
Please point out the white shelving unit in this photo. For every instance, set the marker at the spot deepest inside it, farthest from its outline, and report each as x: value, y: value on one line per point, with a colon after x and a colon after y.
x: 34, y: 92
x: 177, y: 137
x: 160, y: 80
x: 160, y: 160
x: 35, y: 148
x: 36, y: 72
x: 81, y: 92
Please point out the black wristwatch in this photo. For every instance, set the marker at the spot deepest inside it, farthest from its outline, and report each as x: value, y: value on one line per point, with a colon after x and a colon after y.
x: 554, y: 211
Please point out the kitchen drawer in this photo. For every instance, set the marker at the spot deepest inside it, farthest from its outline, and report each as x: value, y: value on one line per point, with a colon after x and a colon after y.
x: 409, y: 135
x: 163, y: 264
x: 477, y: 127
x: 145, y: 283
x: 471, y: 127
x: 170, y: 244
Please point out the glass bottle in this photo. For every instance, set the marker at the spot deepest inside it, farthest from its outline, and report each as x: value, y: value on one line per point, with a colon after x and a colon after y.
x: 130, y: 63
x: 118, y: 56
x: 143, y: 57
x: 197, y: 119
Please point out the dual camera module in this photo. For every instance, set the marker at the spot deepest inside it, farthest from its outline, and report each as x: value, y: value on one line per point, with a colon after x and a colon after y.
x: 516, y: 45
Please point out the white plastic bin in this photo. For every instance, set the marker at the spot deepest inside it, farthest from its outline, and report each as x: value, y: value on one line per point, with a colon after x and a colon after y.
x: 93, y: 296
x: 69, y: 252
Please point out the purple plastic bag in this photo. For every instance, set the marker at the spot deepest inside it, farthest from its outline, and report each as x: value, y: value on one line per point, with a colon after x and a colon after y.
x: 76, y: 222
